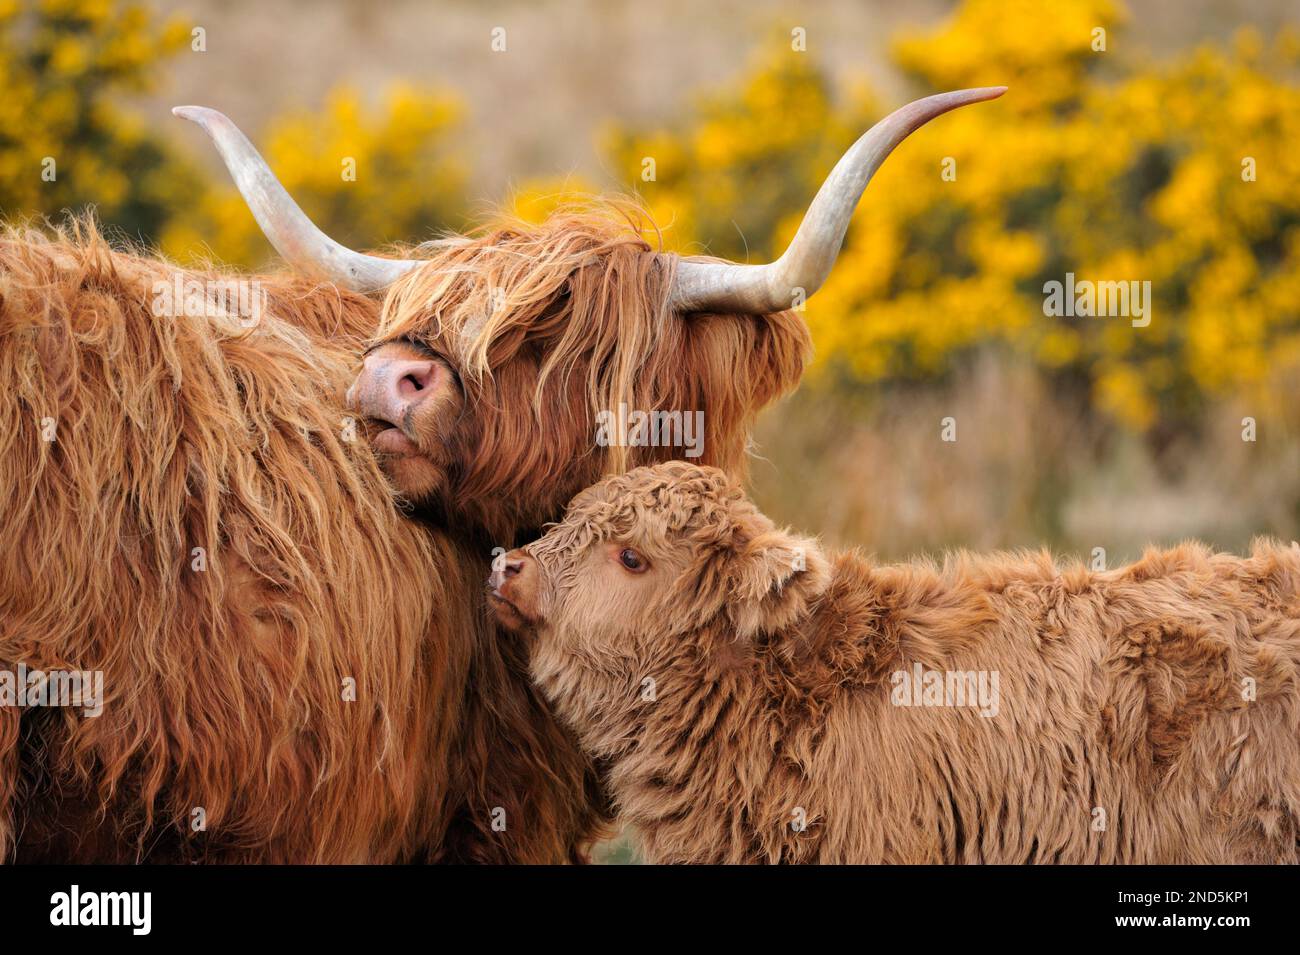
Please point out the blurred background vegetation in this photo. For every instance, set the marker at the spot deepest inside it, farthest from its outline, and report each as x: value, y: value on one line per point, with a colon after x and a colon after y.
x: 1122, y: 163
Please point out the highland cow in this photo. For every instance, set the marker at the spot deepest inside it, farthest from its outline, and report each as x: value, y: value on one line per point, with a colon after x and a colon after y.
x: 327, y: 686
x: 754, y: 699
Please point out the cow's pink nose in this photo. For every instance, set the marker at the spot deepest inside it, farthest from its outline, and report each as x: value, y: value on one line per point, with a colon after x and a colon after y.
x: 391, y: 389
x: 414, y: 377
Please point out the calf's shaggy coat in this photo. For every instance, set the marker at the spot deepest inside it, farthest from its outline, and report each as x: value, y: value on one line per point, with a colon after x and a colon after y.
x: 751, y: 697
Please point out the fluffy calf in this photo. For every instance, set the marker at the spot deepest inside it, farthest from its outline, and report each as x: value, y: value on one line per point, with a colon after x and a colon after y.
x: 756, y: 700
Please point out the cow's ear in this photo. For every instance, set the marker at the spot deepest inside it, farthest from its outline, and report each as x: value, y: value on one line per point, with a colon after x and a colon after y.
x: 773, y: 577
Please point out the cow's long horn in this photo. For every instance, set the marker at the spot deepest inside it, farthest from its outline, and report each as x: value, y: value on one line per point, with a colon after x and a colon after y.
x: 294, y: 236
x: 760, y: 289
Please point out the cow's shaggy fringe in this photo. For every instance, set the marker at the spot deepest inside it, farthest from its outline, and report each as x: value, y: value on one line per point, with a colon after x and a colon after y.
x: 199, y: 529
x: 1147, y: 714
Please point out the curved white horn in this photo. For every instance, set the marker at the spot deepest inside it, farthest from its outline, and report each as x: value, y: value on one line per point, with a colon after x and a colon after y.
x: 761, y: 289
x: 294, y: 236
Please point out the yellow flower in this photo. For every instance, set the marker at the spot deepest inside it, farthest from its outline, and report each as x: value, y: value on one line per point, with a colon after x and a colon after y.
x: 1096, y: 163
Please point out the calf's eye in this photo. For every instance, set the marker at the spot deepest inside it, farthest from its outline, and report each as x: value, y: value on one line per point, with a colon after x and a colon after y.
x: 632, y: 560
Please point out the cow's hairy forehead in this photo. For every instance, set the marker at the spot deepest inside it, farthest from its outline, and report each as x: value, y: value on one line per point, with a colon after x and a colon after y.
x: 513, y: 281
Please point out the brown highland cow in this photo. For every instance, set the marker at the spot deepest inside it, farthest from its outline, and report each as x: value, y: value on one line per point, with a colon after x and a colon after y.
x: 292, y: 671
x: 754, y: 700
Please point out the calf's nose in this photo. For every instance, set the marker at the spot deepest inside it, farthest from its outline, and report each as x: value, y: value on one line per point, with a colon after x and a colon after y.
x: 510, y: 571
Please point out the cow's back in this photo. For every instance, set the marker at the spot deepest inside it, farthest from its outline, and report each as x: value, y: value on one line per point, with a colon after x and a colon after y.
x: 1203, y: 673
x: 187, y: 512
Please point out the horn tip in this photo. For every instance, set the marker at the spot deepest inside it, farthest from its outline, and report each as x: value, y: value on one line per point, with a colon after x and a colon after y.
x: 201, y: 115
x: 981, y: 94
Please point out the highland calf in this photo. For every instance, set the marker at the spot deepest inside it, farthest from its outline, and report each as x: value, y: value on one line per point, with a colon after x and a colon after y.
x: 756, y: 700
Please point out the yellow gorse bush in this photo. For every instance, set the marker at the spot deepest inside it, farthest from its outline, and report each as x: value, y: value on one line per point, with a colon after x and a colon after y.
x: 369, y: 174
x: 1096, y: 163
x: 1099, y: 162
x: 63, y: 142
x: 723, y: 184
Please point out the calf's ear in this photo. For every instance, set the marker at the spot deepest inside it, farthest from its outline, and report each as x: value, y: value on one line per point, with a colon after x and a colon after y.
x: 773, y: 577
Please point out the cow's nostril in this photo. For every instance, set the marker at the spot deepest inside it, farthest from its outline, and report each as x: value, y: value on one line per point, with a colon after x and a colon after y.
x: 513, y: 567
x: 393, y: 389
x: 417, y: 379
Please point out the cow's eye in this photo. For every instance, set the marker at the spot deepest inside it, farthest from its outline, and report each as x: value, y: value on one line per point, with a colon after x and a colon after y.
x: 632, y: 560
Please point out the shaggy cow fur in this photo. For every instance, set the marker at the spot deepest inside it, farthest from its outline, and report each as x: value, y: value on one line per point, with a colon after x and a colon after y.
x: 184, y: 513
x: 225, y: 686
x: 544, y: 327
x: 758, y: 701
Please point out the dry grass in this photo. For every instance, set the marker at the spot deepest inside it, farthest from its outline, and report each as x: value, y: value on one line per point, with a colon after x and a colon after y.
x: 1028, y: 467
